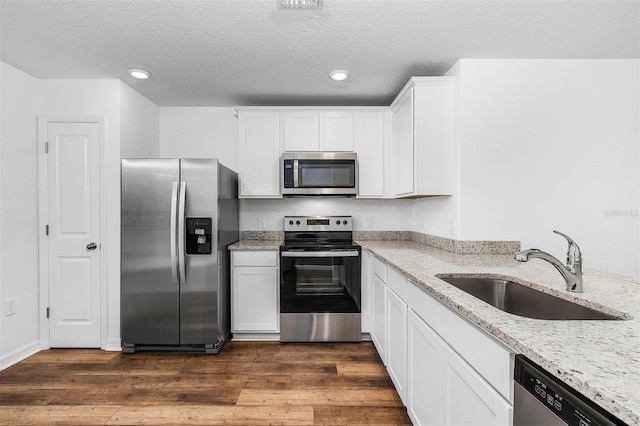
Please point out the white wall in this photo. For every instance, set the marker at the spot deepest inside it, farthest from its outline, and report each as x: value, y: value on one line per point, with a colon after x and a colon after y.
x: 139, y: 125
x: 544, y: 145
x: 200, y: 133
x: 18, y: 215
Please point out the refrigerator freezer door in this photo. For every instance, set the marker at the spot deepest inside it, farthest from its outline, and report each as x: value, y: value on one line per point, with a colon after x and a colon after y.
x: 200, y: 291
x: 149, y: 298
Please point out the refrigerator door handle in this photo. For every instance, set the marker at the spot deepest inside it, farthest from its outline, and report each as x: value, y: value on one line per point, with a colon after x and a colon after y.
x: 181, y: 220
x: 174, y: 217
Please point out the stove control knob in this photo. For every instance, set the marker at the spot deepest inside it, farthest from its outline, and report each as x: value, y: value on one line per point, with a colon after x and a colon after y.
x: 337, y: 222
x: 297, y: 222
x: 290, y: 222
x: 344, y: 222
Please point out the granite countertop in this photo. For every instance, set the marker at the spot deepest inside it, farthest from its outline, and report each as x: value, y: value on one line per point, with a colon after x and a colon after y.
x: 256, y: 245
x: 600, y: 359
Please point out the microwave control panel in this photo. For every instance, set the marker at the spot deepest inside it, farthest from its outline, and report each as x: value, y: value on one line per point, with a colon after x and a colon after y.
x: 288, y: 173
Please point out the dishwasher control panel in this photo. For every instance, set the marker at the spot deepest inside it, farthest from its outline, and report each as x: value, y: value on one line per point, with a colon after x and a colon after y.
x: 566, y: 403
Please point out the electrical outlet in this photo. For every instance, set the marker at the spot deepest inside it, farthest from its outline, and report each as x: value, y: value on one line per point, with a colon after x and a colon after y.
x: 370, y: 222
x: 10, y: 307
x: 261, y: 222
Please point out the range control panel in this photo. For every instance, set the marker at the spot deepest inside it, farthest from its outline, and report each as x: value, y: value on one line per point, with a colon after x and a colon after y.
x: 318, y: 223
x: 198, y: 235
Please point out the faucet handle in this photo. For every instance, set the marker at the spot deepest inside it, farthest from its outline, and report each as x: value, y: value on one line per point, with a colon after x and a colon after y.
x: 573, y: 252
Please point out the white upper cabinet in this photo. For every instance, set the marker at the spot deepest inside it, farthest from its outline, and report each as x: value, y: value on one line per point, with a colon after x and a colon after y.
x: 403, y: 142
x: 301, y: 131
x: 313, y: 130
x: 259, y: 149
x: 336, y: 131
x: 423, y: 138
x: 369, y: 144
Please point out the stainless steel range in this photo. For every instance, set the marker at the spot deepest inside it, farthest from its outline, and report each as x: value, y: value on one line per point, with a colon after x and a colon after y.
x: 319, y: 280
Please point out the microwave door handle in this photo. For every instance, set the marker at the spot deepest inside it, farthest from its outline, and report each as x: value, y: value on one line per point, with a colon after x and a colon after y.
x: 295, y: 173
x: 333, y: 253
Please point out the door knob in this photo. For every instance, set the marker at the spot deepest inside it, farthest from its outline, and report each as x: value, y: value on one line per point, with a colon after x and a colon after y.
x: 92, y: 246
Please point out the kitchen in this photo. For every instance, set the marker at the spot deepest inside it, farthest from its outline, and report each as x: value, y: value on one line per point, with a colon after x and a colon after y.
x: 543, y: 144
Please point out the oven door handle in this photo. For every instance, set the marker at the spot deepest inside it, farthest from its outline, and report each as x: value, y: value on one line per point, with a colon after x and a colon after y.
x: 331, y: 253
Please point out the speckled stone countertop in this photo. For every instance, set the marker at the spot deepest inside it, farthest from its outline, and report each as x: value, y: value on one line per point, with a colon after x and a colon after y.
x: 256, y: 245
x: 601, y: 359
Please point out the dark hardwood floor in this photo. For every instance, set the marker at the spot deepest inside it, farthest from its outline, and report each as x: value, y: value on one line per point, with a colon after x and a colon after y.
x: 247, y: 383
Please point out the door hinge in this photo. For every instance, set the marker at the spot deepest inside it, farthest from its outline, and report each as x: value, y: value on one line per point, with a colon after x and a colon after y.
x: 47, y: 312
x: 46, y: 147
x: 46, y: 230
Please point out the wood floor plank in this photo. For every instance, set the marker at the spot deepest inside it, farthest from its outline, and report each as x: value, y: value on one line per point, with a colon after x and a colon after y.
x: 339, y: 397
x: 57, y: 415
x: 331, y: 415
x: 247, y: 383
x: 213, y: 415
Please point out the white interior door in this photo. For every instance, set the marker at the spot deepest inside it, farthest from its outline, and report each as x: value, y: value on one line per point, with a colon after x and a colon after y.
x: 74, y: 234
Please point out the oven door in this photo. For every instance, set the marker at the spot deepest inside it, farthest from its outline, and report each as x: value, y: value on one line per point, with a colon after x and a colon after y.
x: 320, y: 295
x: 320, y: 281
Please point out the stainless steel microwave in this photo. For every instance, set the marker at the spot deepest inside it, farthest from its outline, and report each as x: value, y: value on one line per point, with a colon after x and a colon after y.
x: 319, y: 173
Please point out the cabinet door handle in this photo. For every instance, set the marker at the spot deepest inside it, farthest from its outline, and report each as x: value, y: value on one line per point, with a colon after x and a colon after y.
x: 92, y: 246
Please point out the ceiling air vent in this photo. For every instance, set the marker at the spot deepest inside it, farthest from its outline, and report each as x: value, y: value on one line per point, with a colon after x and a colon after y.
x: 299, y: 4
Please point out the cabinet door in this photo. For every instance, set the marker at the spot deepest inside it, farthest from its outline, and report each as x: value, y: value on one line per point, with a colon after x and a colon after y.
x: 369, y: 145
x: 379, y: 316
x: 443, y: 389
x: 301, y: 131
x: 397, y: 342
x: 255, y: 299
x: 426, y: 376
x: 259, y: 151
x: 336, y: 131
x: 365, y: 296
x: 470, y: 399
x: 403, y: 160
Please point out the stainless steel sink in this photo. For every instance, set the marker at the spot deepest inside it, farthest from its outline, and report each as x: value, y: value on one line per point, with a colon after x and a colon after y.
x: 517, y: 299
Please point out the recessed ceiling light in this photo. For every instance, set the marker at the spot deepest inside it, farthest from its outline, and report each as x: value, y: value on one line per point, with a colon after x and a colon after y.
x: 139, y: 73
x: 339, y: 75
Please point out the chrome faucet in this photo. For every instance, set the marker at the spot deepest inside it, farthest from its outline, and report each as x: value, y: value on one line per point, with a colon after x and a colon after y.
x: 572, y: 272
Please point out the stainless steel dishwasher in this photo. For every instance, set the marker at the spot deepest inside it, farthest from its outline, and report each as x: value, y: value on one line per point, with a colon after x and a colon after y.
x: 542, y: 400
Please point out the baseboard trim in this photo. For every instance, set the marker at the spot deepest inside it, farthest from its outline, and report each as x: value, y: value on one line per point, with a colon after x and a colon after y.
x: 19, y: 354
x: 245, y: 337
x: 113, y: 345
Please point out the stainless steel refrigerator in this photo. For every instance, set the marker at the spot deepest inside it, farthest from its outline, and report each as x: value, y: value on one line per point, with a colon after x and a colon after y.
x: 178, y: 218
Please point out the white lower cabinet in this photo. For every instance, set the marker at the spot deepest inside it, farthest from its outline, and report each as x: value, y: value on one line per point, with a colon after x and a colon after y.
x: 365, y: 292
x: 443, y: 389
x: 397, y: 342
x: 446, y: 370
x: 379, y: 316
x: 255, y: 297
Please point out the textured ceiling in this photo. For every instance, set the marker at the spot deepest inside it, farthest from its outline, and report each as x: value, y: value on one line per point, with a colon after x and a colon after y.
x: 248, y: 52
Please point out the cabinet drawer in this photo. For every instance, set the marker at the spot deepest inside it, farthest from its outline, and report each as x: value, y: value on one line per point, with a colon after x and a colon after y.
x: 254, y: 258
x: 492, y: 360
x: 379, y: 268
x: 397, y: 283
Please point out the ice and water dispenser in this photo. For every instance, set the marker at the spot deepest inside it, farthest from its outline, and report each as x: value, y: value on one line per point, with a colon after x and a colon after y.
x: 198, y: 235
